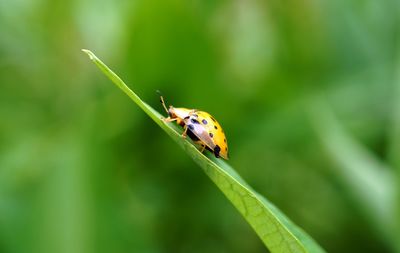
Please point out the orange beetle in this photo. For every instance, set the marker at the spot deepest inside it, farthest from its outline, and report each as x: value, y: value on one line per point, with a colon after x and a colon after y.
x: 201, y: 127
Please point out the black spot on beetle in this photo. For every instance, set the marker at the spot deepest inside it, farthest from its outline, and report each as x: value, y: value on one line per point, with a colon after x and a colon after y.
x: 213, y: 119
x: 215, y: 127
x: 226, y: 149
x: 225, y: 140
x: 191, y: 127
x: 204, y: 122
x: 194, y: 121
x: 217, y: 149
x: 211, y: 135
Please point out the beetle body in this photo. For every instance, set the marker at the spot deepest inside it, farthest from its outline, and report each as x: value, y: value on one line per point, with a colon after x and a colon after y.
x: 201, y: 127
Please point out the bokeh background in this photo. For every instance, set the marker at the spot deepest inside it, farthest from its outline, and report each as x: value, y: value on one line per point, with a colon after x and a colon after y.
x: 83, y: 169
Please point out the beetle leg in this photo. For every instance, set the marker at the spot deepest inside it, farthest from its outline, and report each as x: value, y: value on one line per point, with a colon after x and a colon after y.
x: 202, y: 148
x: 184, y: 132
x: 169, y: 119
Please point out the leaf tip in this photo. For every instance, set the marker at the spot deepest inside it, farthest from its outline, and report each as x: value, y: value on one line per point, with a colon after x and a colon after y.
x: 89, y: 53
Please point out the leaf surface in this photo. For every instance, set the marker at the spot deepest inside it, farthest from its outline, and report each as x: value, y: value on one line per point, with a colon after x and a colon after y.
x: 277, y: 232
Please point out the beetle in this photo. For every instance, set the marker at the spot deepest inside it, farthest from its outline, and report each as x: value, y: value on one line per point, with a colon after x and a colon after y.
x: 201, y: 127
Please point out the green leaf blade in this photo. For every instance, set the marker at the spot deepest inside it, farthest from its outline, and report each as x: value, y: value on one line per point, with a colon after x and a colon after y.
x: 277, y: 232
x: 367, y: 179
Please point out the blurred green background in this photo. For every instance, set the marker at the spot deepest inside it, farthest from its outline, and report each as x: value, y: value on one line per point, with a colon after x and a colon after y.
x: 83, y: 169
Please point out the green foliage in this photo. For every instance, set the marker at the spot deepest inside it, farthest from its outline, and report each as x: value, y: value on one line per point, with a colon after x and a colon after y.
x: 74, y: 169
x: 369, y: 181
x: 277, y: 232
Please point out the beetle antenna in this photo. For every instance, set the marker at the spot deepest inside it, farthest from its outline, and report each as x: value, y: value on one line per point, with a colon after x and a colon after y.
x: 162, y: 101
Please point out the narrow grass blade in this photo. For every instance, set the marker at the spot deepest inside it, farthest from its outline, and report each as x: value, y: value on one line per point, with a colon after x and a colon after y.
x: 394, y: 140
x: 277, y: 232
x: 368, y: 180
